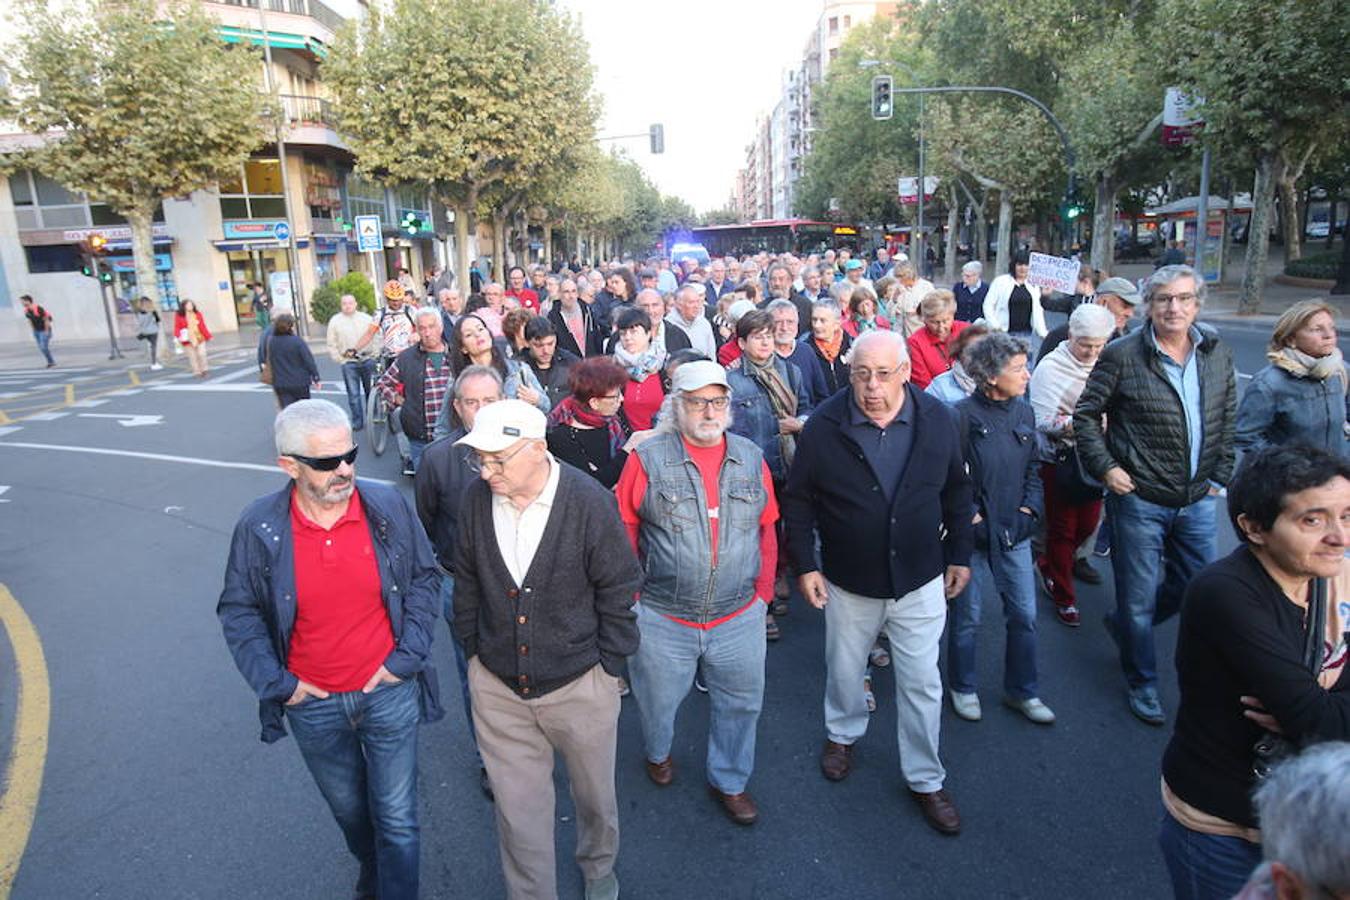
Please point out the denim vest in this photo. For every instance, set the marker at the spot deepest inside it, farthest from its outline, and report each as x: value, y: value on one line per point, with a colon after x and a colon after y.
x: 674, y: 541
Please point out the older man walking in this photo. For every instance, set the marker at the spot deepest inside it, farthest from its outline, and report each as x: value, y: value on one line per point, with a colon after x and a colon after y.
x: 699, y: 506
x: 1168, y: 394
x: 544, y: 588
x: 345, y: 332
x: 879, y: 477
x: 328, y: 608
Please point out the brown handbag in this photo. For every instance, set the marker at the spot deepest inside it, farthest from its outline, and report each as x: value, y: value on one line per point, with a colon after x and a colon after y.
x: 265, y: 376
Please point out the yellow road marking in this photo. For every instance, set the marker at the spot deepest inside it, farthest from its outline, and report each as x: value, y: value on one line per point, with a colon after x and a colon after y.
x: 135, y: 379
x: 25, y: 412
x: 4, y: 419
x: 23, y: 778
x: 70, y: 393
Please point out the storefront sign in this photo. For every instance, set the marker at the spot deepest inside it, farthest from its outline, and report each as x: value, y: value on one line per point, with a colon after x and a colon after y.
x: 258, y: 229
x: 1053, y: 272
x: 163, y: 263
x: 113, y: 232
x: 1182, y: 119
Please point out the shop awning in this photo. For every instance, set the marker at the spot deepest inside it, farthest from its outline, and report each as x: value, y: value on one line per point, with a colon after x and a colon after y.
x: 281, y: 39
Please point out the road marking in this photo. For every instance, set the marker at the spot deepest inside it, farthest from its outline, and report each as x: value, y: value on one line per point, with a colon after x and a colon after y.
x: 10, y: 429
x: 125, y: 392
x: 28, y: 757
x: 209, y: 388
x: 70, y: 393
x: 49, y: 416
x: 161, y: 457
x: 233, y: 376
x: 4, y: 488
x: 126, y: 420
x: 88, y: 404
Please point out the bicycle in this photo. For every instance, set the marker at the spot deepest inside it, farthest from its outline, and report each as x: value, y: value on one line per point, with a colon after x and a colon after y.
x: 377, y: 412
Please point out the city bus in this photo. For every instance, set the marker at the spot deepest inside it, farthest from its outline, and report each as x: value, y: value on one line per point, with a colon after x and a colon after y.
x: 797, y: 236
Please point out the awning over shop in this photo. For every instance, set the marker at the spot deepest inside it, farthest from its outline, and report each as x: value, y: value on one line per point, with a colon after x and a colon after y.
x: 235, y: 35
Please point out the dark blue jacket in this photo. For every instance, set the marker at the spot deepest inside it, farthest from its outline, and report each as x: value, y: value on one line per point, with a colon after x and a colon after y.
x: 867, y: 545
x: 805, y: 359
x: 1000, y: 448
x: 753, y: 416
x: 292, y: 362
x: 970, y: 305
x: 257, y: 606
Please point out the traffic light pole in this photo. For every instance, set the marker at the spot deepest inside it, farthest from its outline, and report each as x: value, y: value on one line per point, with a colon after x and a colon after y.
x: 114, y: 351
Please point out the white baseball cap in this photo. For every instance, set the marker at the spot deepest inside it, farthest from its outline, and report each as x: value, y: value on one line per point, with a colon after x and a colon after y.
x: 499, y: 425
x: 698, y: 374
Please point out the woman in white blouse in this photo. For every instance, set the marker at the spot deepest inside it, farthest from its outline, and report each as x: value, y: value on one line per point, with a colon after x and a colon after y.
x: 1012, y: 304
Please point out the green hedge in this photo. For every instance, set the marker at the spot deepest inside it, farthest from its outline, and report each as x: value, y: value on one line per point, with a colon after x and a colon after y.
x: 324, y: 303
x: 1318, y: 265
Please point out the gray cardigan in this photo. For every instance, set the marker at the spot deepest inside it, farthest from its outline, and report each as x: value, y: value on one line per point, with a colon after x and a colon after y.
x: 575, y: 607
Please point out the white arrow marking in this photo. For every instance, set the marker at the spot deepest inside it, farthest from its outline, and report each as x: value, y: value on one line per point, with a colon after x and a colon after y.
x: 125, y: 420
x: 3, y: 488
x: 171, y: 509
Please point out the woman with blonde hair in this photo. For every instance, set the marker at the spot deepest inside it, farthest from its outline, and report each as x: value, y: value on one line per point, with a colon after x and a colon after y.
x: 1300, y: 398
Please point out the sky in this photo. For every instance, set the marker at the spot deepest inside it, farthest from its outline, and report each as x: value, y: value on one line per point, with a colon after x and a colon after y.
x: 702, y: 68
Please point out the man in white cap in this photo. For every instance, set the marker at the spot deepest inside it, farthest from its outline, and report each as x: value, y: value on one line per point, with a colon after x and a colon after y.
x: 706, y: 588
x: 544, y: 588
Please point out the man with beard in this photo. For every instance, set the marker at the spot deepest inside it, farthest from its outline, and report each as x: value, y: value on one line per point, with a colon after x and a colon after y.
x: 329, y: 608
x: 780, y: 288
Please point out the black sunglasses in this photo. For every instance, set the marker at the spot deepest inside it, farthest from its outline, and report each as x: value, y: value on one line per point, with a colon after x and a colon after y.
x: 326, y: 463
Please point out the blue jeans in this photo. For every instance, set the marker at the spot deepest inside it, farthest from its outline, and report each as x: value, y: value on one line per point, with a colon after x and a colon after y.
x: 44, y: 340
x: 1160, y: 550
x: 362, y: 751
x: 1205, y: 866
x: 461, y: 663
x: 356, y: 378
x: 663, y: 670
x: 1010, y: 575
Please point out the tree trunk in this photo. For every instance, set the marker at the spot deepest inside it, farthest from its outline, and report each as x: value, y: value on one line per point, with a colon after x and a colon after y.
x: 143, y: 253
x: 498, y: 246
x: 1005, y: 216
x: 548, y: 246
x: 1258, y: 235
x: 1333, y: 202
x: 1289, y: 214
x: 463, y: 281
x: 982, y: 237
x: 1103, y: 257
x: 953, y: 223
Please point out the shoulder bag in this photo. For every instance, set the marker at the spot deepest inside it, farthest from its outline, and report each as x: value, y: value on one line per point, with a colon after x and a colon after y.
x: 265, y: 376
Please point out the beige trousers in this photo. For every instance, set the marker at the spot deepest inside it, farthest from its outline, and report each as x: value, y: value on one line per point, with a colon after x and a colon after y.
x: 196, y: 357
x: 518, y: 739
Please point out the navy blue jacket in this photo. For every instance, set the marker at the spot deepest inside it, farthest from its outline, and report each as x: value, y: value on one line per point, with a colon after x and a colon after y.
x: 257, y: 606
x: 1000, y: 448
x: 292, y: 362
x: 970, y: 304
x: 867, y: 545
x: 806, y: 361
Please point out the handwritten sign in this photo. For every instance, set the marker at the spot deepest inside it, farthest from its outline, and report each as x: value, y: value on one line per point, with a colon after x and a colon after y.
x: 1053, y: 272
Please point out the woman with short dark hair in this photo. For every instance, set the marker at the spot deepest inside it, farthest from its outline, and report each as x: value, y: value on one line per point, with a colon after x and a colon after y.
x: 1261, y: 662
x: 642, y: 360
x: 291, y: 362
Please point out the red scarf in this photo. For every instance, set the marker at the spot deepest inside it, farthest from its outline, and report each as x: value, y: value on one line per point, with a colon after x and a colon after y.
x: 569, y: 411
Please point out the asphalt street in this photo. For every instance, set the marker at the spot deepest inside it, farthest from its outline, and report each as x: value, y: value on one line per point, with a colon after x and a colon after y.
x: 115, y: 517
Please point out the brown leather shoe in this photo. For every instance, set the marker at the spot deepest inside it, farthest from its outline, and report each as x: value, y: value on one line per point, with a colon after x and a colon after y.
x: 740, y: 808
x: 836, y: 760
x: 939, y: 810
x: 662, y: 773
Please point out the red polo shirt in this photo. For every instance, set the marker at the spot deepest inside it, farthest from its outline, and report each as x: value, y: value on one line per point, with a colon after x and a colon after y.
x: 341, y: 634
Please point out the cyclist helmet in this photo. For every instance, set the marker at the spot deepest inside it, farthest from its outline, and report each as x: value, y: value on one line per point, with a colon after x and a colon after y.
x: 393, y: 290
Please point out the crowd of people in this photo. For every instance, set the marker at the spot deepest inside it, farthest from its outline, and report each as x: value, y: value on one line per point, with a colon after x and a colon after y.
x: 624, y: 473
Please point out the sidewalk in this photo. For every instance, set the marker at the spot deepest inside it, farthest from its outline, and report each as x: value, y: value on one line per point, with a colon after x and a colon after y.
x: 94, y: 353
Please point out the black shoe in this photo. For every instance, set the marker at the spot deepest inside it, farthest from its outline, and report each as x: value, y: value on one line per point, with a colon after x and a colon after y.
x: 485, y: 785
x: 408, y: 467
x: 1085, y: 572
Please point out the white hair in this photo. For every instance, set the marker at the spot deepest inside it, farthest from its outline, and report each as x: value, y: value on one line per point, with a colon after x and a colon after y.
x: 294, y: 424
x: 427, y: 312
x: 973, y: 266
x: 1304, y: 809
x: 1092, y: 322
x: 880, y: 336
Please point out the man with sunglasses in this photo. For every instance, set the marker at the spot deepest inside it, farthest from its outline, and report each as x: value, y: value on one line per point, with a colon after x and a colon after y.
x: 698, y: 503
x: 328, y: 608
x: 544, y: 590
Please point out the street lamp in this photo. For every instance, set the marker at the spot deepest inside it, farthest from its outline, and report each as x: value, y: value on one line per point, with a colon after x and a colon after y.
x: 918, y: 246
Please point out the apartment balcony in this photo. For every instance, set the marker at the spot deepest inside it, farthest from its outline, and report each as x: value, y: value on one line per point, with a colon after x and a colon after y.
x: 310, y: 121
x: 292, y: 24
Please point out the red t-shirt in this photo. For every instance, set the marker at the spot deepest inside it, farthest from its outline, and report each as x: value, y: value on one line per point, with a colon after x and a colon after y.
x: 641, y: 400
x: 342, y: 633
x: 632, y: 487
x: 527, y: 298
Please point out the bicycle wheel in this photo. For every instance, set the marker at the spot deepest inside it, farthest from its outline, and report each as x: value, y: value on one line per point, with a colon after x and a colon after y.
x: 377, y: 422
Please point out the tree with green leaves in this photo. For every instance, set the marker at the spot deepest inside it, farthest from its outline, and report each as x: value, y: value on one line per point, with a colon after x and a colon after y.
x: 137, y: 101
x: 472, y: 98
x: 1273, y: 78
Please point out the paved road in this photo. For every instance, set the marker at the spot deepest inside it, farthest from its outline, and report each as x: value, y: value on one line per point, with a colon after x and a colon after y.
x: 114, y: 536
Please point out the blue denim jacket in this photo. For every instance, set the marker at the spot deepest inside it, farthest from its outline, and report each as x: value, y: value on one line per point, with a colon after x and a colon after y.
x: 257, y: 607
x: 752, y: 413
x: 1280, y: 408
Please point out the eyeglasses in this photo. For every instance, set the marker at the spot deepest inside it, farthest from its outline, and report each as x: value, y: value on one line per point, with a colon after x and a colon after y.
x: 618, y: 396
x: 478, y: 463
x: 1179, y: 299
x: 699, y: 404
x: 326, y: 463
x: 862, y: 376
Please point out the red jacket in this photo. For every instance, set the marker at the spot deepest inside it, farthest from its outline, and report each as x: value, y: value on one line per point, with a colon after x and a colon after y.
x: 180, y: 322
x: 928, y: 356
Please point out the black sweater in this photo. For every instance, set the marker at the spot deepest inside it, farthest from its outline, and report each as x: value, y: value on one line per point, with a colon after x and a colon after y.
x: 583, y: 448
x: 575, y: 606
x: 443, y: 475
x: 292, y: 362
x: 869, y: 546
x: 1240, y: 635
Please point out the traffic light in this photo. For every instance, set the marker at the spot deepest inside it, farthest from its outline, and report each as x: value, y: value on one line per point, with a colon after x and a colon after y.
x: 657, y: 133
x: 87, y: 268
x: 1073, y: 209
x: 98, y: 244
x: 882, y: 107
x: 105, y: 272
x: 411, y: 223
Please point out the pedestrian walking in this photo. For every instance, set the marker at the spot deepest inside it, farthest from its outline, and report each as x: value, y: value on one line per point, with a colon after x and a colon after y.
x: 328, y: 609
x: 970, y: 292
x: 41, y: 321
x: 414, y: 385
x: 190, y: 329
x: 879, y: 475
x: 350, y: 345
x: 1167, y: 393
x: 1013, y: 304
x: 642, y: 360
x: 261, y: 303
x: 698, y: 502
x: 147, y: 329
x: 544, y: 588
x: 294, y: 371
x: 930, y: 348
x: 587, y: 429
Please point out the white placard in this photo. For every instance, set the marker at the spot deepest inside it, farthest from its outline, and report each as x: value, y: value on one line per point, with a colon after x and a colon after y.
x: 279, y: 286
x: 1054, y: 273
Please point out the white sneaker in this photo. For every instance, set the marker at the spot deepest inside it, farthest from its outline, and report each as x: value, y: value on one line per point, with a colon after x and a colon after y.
x: 967, y: 706
x: 155, y: 367
x: 1033, y: 709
